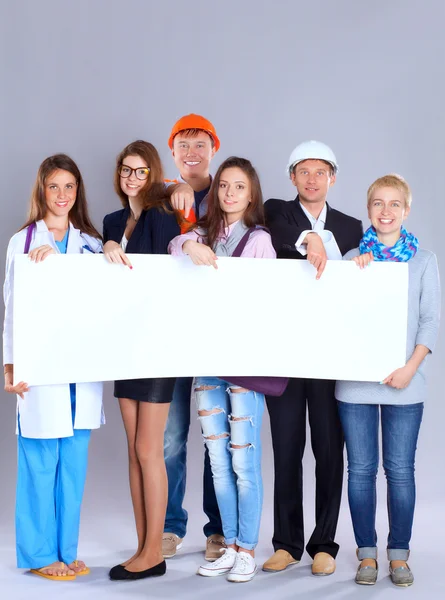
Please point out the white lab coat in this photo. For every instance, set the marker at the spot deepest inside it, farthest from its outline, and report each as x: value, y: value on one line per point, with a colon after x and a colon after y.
x: 45, y: 411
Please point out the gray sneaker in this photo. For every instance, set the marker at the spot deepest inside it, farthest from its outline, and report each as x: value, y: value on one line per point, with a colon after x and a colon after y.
x: 402, y: 576
x: 367, y: 575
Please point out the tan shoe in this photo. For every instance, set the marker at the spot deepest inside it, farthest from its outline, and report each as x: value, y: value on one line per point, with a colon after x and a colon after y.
x: 171, y: 543
x: 279, y: 561
x: 324, y: 564
x: 215, y: 543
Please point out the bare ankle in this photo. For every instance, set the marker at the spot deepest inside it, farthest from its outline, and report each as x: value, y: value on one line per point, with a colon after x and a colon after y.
x: 395, y: 564
x: 368, y: 562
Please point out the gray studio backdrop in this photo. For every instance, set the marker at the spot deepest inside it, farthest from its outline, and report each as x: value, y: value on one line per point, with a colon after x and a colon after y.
x: 86, y: 77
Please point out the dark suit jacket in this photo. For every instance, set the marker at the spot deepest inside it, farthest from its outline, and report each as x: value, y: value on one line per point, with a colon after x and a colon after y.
x: 287, y: 220
x: 153, y: 232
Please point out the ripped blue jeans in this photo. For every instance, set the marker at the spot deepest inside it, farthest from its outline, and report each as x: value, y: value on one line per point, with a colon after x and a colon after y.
x: 231, y: 428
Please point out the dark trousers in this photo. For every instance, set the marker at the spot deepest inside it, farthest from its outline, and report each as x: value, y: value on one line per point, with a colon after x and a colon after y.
x: 288, y: 427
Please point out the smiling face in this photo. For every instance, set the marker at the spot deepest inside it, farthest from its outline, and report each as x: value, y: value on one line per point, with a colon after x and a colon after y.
x: 234, y: 193
x: 192, y: 154
x: 132, y: 186
x: 387, y: 210
x: 313, y: 178
x: 60, y: 192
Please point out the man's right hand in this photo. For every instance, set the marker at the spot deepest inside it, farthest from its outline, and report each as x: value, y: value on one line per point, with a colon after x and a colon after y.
x: 316, y: 253
x: 183, y: 198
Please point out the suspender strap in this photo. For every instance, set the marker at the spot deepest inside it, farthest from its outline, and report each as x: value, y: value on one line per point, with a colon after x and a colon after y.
x: 29, y: 233
x: 243, y: 241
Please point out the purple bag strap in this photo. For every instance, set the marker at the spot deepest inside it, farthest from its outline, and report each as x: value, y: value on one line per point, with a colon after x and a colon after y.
x: 29, y: 233
x: 243, y: 241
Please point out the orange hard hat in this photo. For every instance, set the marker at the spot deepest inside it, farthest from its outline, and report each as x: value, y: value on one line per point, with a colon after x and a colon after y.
x: 193, y: 121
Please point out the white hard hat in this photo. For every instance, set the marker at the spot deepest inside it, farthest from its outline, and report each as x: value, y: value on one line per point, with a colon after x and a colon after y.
x: 311, y: 150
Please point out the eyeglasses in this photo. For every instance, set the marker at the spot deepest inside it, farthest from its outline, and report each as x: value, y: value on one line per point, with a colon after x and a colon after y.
x: 126, y: 171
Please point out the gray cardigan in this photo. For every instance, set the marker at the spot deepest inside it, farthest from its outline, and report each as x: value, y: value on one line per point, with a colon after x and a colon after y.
x: 423, y: 326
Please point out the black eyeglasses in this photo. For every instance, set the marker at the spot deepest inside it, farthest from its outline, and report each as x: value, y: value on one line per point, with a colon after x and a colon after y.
x: 126, y: 171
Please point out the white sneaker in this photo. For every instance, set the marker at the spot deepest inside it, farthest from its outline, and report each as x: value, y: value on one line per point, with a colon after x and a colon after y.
x: 221, y: 566
x: 244, y: 568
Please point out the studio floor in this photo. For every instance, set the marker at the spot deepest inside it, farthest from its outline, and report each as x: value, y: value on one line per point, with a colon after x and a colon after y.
x: 99, y: 546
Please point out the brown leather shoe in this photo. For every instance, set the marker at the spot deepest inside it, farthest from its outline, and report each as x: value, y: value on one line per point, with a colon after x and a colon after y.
x: 279, y: 561
x: 324, y: 564
x: 214, y: 546
x: 171, y: 543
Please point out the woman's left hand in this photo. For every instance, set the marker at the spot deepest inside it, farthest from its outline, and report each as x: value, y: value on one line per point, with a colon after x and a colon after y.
x: 114, y: 254
x: 19, y: 389
x: 40, y: 253
x: 400, y: 378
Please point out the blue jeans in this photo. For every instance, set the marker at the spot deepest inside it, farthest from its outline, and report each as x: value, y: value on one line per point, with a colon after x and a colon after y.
x: 236, y: 470
x: 400, y: 430
x: 175, y: 454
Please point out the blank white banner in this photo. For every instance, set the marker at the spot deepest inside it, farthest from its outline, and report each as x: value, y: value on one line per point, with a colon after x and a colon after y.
x: 79, y: 319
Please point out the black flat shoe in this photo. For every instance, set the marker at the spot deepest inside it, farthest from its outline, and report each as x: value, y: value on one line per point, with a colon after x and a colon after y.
x: 115, y: 569
x: 121, y: 574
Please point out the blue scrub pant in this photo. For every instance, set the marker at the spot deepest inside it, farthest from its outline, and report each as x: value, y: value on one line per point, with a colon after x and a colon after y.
x: 50, y: 483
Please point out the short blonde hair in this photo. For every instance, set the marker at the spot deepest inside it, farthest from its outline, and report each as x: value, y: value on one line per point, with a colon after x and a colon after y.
x: 394, y: 181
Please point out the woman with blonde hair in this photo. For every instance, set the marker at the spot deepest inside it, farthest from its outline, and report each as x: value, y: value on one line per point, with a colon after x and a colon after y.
x: 396, y: 404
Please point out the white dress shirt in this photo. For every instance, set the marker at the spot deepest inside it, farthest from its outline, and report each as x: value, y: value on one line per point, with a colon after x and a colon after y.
x: 327, y: 237
x: 124, y: 243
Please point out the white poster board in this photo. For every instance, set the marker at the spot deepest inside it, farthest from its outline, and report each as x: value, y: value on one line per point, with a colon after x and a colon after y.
x: 79, y: 319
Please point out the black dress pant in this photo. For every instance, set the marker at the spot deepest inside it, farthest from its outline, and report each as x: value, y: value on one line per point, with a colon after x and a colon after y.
x: 288, y: 427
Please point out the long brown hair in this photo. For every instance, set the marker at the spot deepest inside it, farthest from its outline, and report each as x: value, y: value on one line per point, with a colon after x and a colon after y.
x: 153, y: 193
x: 78, y: 214
x: 254, y: 214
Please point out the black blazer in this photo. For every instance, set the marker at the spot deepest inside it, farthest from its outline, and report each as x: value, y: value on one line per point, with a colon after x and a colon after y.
x: 286, y: 222
x: 153, y: 232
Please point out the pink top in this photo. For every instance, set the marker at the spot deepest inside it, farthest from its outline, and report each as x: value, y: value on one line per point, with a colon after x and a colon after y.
x: 259, y: 244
